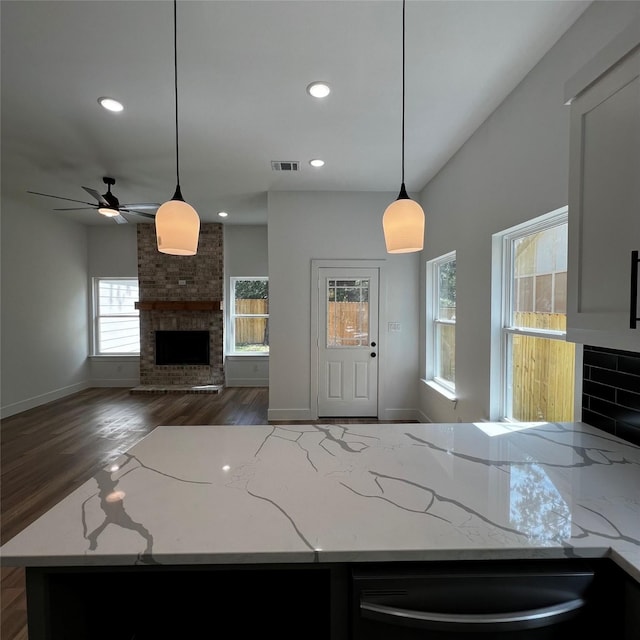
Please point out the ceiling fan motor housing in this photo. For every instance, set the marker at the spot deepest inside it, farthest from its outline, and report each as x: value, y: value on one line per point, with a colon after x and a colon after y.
x: 112, y: 200
x: 114, y: 203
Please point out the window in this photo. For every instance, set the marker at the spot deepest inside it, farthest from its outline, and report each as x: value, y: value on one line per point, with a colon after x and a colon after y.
x: 347, y: 313
x: 537, y: 364
x: 249, y: 316
x: 116, y: 320
x: 441, y: 325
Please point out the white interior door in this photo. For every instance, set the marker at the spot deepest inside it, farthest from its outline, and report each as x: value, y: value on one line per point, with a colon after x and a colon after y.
x: 348, y: 342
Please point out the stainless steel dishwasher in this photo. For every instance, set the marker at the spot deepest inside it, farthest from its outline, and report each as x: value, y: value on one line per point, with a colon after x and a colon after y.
x: 511, y: 601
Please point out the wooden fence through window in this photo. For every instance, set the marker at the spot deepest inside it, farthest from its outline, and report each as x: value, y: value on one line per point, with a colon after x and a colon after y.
x: 252, y: 331
x: 543, y: 375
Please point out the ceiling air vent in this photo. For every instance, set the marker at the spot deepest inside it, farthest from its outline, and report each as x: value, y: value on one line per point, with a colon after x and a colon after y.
x: 285, y: 165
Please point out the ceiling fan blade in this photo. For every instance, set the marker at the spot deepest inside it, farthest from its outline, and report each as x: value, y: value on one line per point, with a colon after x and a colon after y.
x: 77, y: 208
x: 140, y: 205
x: 48, y: 195
x: 97, y: 196
x: 144, y: 214
x: 120, y: 220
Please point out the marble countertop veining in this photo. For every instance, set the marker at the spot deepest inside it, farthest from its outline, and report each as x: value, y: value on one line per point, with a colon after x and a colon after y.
x: 349, y: 493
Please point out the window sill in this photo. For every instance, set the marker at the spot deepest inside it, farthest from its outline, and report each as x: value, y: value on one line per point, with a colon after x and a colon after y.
x: 447, y: 393
x: 240, y: 356
x: 124, y: 357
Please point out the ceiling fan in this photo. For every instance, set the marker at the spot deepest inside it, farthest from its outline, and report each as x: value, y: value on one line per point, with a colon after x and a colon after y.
x: 107, y: 204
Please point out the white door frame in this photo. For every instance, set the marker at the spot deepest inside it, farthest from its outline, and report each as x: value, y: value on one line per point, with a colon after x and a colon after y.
x: 315, y: 324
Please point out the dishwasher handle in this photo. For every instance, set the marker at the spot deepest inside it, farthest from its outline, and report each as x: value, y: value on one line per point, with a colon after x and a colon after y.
x: 465, y: 622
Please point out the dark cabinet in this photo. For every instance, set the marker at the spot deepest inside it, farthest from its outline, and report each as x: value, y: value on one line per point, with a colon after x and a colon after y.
x: 319, y: 601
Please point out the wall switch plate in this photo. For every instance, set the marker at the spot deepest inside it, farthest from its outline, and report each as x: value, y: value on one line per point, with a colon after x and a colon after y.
x: 394, y: 326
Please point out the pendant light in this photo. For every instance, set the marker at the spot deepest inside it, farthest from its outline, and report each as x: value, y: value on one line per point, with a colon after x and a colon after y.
x: 177, y: 223
x: 403, y: 220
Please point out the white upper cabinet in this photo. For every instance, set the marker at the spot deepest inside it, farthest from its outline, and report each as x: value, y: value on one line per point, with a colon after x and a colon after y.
x: 604, y: 197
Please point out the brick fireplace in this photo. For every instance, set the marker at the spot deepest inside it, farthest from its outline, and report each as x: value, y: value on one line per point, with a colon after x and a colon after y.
x: 181, y: 294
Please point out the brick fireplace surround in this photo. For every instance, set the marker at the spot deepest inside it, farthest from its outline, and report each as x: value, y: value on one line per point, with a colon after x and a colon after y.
x: 188, y: 282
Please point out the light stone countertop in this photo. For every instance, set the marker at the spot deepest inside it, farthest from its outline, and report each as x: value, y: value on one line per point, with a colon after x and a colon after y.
x: 349, y: 493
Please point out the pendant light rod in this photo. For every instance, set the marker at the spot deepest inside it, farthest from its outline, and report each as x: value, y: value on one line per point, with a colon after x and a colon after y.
x: 175, y: 86
x: 403, y: 56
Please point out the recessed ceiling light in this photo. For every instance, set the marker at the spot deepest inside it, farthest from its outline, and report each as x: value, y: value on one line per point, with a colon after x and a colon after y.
x: 223, y: 214
x: 110, y: 104
x: 319, y: 89
x: 316, y: 163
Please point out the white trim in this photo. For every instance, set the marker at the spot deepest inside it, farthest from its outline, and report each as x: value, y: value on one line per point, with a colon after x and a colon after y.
x: 423, y: 417
x: 441, y: 389
x: 44, y: 398
x: 115, y: 357
x: 577, y: 393
x: 115, y: 382
x: 607, y: 57
x: 95, y: 318
x: 316, y: 265
x: 399, y: 414
x: 502, y: 304
x: 290, y: 414
x: 231, y: 325
x: 432, y: 299
x: 246, y: 382
x: 551, y: 334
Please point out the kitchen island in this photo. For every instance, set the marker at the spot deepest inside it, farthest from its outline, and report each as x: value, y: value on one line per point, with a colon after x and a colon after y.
x: 294, y: 499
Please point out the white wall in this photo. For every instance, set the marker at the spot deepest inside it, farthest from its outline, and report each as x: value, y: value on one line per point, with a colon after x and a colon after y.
x: 113, y: 253
x: 45, y: 337
x: 335, y: 225
x: 245, y: 254
x: 514, y: 168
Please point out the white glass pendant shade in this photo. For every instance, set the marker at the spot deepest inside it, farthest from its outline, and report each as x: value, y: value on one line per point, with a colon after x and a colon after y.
x: 403, y: 225
x: 177, y: 228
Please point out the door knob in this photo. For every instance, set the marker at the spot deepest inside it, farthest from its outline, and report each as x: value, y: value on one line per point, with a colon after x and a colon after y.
x: 373, y: 344
x: 373, y: 354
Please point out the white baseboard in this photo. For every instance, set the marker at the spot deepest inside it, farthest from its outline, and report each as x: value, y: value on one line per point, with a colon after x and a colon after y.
x: 398, y: 414
x: 110, y: 382
x: 290, y: 414
x: 247, y: 382
x: 36, y: 401
x: 422, y: 417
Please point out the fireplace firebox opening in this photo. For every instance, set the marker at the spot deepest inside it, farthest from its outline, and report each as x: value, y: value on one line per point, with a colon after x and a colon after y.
x: 182, y: 347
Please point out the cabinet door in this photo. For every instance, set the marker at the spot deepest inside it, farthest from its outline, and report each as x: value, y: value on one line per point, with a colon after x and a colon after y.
x: 604, y: 207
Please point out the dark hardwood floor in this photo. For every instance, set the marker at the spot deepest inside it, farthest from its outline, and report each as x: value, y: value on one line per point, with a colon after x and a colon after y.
x: 47, y: 452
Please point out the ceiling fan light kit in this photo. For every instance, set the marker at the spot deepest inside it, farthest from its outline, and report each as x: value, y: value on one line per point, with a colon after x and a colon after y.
x: 403, y: 220
x: 108, y: 212
x: 177, y: 223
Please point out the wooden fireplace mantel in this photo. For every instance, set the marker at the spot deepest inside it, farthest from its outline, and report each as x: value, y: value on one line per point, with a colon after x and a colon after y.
x: 178, y: 305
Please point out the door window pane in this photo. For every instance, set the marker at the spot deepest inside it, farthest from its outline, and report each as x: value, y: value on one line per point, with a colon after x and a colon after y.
x: 347, y: 313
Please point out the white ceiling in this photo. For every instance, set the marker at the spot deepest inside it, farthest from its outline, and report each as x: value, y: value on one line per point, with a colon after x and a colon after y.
x: 243, y: 67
